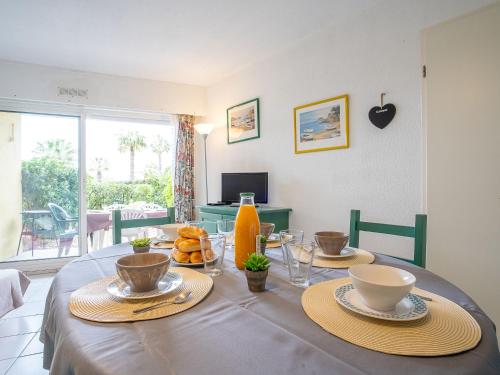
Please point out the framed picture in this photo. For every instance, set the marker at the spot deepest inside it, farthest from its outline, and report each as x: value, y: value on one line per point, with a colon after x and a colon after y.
x: 322, y: 125
x: 243, y: 121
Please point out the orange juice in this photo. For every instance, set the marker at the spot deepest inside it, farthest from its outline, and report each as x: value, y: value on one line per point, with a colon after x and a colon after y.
x: 246, y: 228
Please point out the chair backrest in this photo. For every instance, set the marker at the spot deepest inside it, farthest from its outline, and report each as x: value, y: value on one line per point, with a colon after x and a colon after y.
x: 151, y: 206
x: 132, y: 213
x: 115, y: 206
x: 58, y: 212
x: 119, y: 223
x: 418, y: 232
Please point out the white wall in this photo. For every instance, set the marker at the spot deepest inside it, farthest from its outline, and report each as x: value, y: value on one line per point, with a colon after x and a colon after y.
x: 40, y: 83
x: 463, y: 154
x: 381, y: 173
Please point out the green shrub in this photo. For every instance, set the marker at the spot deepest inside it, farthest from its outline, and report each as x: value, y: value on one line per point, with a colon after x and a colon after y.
x: 49, y: 180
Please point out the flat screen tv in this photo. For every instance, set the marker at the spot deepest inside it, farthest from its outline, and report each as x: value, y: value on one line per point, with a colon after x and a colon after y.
x: 235, y: 183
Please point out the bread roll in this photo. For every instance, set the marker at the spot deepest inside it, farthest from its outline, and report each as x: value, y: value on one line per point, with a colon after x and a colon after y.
x: 195, y: 257
x: 189, y: 245
x: 180, y: 257
x: 178, y: 241
x: 209, y: 254
x: 191, y: 232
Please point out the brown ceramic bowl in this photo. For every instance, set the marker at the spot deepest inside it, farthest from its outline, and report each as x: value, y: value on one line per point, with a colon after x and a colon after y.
x: 266, y: 229
x: 142, y: 272
x: 331, y: 243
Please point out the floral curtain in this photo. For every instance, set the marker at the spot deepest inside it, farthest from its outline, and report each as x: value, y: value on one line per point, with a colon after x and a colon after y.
x: 184, y: 170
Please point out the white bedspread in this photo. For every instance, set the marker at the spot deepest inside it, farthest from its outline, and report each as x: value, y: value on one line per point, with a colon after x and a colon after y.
x: 13, y: 284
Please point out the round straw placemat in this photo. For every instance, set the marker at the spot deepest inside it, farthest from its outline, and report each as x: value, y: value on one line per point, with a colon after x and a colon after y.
x: 93, y: 302
x: 361, y: 257
x: 162, y: 245
x: 273, y: 245
x: 446, y: 329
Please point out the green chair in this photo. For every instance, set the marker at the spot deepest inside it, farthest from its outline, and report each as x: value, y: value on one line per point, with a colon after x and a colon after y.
x: 119, y: 224
x: 418, y: 232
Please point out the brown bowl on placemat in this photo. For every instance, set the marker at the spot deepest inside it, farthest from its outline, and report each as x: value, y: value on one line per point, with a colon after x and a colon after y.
x: 142, y: 272
x: 331, y: 243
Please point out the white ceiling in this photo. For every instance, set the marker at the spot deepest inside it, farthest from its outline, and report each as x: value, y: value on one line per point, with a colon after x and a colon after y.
x: 191, y: 41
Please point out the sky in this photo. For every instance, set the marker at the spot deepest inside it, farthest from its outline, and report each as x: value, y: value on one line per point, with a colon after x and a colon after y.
x: 102, y: 141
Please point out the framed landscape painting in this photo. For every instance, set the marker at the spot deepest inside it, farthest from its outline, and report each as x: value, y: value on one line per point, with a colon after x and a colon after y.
x: 322, y: 125
x: 243, y: 121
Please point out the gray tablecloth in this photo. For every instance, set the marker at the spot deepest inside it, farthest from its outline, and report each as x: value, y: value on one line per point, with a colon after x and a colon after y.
x: 234, y: 331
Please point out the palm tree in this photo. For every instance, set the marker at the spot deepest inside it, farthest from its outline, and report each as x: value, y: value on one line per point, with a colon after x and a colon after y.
x: 99, y: 165
x: 159, y: 147
x: 59, y: 149
x: 132, y: 142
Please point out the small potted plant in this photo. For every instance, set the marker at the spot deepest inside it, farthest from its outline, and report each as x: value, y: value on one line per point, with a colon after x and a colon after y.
x: 256, y: 269
x: 141, y: 245
x: 261, y: 243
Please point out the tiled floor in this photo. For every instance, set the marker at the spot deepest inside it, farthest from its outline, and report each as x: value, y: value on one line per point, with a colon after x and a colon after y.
x: 20, y: 347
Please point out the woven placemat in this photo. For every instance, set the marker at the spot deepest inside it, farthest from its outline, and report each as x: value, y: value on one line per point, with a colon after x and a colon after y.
x: 361, y: 257
x: 93, y: 302
x: 273, y: 245
x: 446, y: 329
x: 162, y: 245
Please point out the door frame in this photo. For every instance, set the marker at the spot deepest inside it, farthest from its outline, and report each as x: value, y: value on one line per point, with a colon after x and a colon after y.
x: 64, y: 110
x: 83, y: 112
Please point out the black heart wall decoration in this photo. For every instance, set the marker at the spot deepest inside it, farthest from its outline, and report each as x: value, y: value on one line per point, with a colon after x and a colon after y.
x: 382, y: 116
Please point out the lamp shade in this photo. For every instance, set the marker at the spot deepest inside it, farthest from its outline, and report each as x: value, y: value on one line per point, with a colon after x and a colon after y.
x: 204, y: 128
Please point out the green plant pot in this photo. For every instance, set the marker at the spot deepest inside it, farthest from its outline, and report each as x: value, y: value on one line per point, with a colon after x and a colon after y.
x: 144, y: 249
x: 256, y: 280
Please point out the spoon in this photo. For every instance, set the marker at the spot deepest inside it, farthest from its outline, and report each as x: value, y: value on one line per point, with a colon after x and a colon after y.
x: 180, y: 298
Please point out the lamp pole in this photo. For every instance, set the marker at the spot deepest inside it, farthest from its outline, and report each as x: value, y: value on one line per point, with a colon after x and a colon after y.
x: 205, y: 136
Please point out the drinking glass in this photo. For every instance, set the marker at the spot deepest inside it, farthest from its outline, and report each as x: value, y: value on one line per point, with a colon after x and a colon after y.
x: 289, y: 235
x: 300, y: 255
x: 200, y: 224
x: 213, y: 247
x: 260, y: 244
x: 226, y: 227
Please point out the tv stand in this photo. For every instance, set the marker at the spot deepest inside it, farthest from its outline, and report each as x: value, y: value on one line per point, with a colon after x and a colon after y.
x: 210, y: 214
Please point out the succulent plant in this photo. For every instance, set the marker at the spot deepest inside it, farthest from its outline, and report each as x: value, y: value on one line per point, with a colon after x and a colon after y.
x: 257, y: 262
x: 141, y: 242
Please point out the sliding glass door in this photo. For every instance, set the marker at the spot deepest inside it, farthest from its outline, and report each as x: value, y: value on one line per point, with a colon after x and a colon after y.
x: 40, y: 184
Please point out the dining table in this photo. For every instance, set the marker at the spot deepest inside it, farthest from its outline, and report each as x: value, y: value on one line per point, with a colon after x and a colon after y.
x: 235, y: 331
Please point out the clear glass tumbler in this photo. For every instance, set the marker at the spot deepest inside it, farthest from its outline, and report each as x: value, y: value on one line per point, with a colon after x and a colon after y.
x: 289, y: 235
x: 300, y: 257
x: 226, y: 227
x: 213, y: 247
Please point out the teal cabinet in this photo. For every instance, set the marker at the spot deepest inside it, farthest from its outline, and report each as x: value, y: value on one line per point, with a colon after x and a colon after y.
x: 210, y: 214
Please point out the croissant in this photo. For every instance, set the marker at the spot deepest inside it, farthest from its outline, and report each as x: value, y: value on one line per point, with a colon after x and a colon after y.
x: 180, y: 257
x: 191, y: 232
x: 195, y: 257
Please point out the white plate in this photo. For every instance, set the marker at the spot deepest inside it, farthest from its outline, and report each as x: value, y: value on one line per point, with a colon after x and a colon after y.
x: 167, y: 238
x: 170, y: 282
x: 177, y: 264
x: 344, y: 253
x: 273, y: 237
x: 410, y: 308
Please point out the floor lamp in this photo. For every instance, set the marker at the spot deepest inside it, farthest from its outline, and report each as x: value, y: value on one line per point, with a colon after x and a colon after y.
x: 204, y: 130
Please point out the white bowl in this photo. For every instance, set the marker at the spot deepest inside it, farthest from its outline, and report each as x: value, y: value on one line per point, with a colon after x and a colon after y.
x: 170, y: 231
x: 381, y: 287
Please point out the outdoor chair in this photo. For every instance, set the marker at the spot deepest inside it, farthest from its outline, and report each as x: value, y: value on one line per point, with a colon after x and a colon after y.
x: 66, y: 228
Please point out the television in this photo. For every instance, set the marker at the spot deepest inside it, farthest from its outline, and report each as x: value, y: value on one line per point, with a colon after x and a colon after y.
x: 235, y: 183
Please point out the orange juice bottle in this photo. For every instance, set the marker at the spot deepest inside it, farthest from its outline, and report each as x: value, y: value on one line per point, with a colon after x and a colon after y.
x: 246, y: 228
